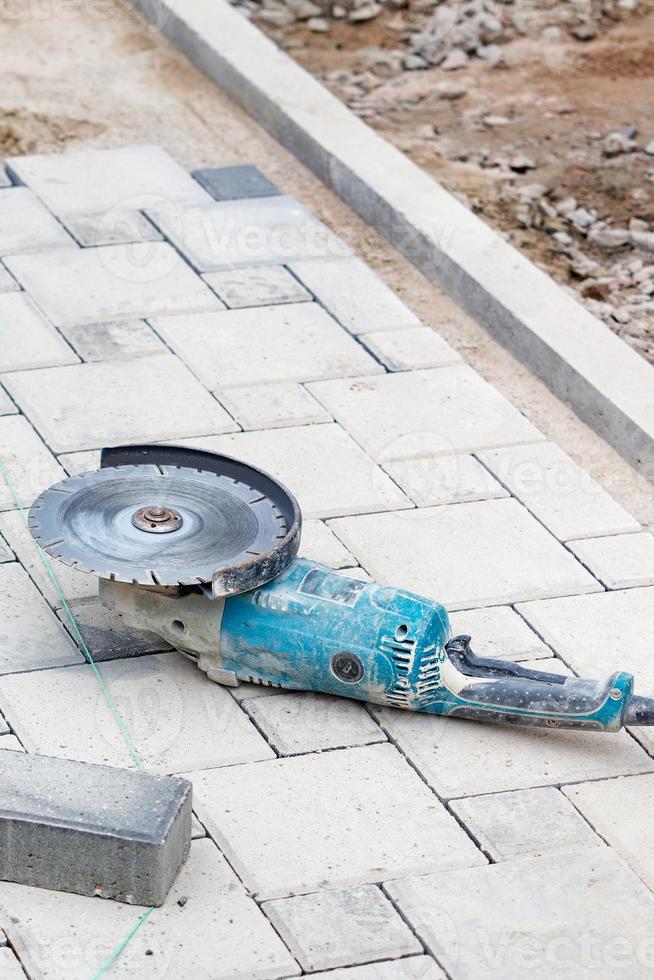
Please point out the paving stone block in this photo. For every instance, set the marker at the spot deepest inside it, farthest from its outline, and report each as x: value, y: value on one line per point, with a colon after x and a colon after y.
x: 114, y: 227
x: 74, y: 287
x: 218, y: 933
x: 526, y: 822
x: 28, y: 340
x: 92, y: 830
x: 410, y: 968
x: 600, y: 634
x: 499, y: 632
x: 621, y: 561
x: 234, y: 183
x: 177, y: 718
x: 3, y: 938
x: 341, y: 928
x: 621, y: 811
x: 245, y: 692
x: 7, y: 282
x: 114, y: 341
x: 302, y: 721
x: 105, y: 634
x: 84, y: 462
x: 272, y: 406
x: 4, y: 727
x: 574, y: 914
x: 197, y: 830
x: 260, y: 231
x: 94, y: 181
x: 7, y: 407
x: 77, y: 407
x: 9, y: 743
x: 263, y: 285
x: 26, y: 226
x: 311, y: 461
x: 6, y: 554
x: 27, y: 462
x: 491, y: 552
x: 319, y: 543
x: 444, y: 480
x: 558, y: 492
x: 5, y: 181
x: 467, y: 758
x: 424, y: 413
x: 74, y: 584
x: 30, y: 636
x: 265, y: 345
x: 355, y: 295
x: 10, y: 968
x: 405, y: 350
x: 281, y: 824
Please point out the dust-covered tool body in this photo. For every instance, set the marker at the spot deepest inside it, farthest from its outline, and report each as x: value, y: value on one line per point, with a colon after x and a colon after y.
x: 201, y: 549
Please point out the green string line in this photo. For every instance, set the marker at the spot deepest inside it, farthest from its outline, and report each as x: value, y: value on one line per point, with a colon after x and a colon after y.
x: 133, y: 751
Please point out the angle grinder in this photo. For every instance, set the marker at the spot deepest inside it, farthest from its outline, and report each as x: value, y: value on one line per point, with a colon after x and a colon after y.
x: 201, y: 549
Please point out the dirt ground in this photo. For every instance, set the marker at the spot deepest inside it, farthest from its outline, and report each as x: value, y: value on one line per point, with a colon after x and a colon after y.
x: 71, y: 79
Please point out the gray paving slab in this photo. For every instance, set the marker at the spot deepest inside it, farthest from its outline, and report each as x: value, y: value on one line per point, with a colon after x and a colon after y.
x: 111, y: 228
x: 4, y: 727
x: 218, y: 933
x: 74, y: 287
x: 259, y: 231
x: 30, y: 466
x: 410, y: 968
x: 341, y: 928
x: 91, y: 181
x: 234, y: 183
x: 620, y: 561
x: 92, y: 829
x: 10, y: 968
x: 114, y: 341
x: 281, y: 823
x: 9, y: 743
x: 6, y: 554
x: 28, y: 340
x: 26, y: 225
x: 272, y: 406
x: 147, y: 399
x: 444, y: 480
x: 5, y: 180
x: 320, y: 544
x: 491, y: 552
x: 31, y: 638
x: 569, y: 914
x: 298, y: 342
x: 178, y: 719
x: 499, y: 632
x: 355, y: 295
x: 7, y: 407
x: 105, y: 634
x: 407, y: 350
x: 7, y: 282
x: 436, y: 412
x: 262, y: 285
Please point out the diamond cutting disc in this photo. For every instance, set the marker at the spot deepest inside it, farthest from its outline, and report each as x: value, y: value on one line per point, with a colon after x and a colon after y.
x: 162, y: 525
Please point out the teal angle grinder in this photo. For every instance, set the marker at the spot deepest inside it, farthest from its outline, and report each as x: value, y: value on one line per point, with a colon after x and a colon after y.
x: 201, y: 549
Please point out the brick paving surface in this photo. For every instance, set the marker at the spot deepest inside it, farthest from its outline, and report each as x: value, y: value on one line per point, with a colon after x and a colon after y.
x: 140, y: 304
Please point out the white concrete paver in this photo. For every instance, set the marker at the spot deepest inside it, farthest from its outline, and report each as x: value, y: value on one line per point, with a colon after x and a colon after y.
x: 114, y: 341
x: 566, y: 915
x: 218, y: 934
x: 436, y: 412
x: 341, y: 928
x: 93, y: 405
x: 26, y: 225
x: 281, y: 824
x: 320, y: 544
x: 10, y: 968
x: 7, y: 407
x: 30, y: 465
x: 298, y: 342
x: 620, y: 561
x: 444, y: 480
x: 499, y: 632
x: 7, y: 282
x: 406, y: 350
x: 411, y: 968
x: 111, y: 228
x: 272, y: 406
x: 9, y: 743
x: 27, y: 339
x: 260, y: 286
x: 490, y: 552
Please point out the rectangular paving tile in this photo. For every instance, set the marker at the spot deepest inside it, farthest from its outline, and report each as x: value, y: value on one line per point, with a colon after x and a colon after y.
x: 91, y: 181
x: 272, y: 406
x: 31, y: 637
x: 268, y: 344
x: 570, y: 914
x: 114, y: 341
x: 7, y: 407
x: 216, y: 933
x: 9, y: 743
x: 234, y: 183
x: 302, y: 721
x: 7, y: 282
x: 468, y: 758
x: 558, y: 492
x: 104, y: 632
x: 281, y: 823
x: 620, y: 561
x: 26, y: 225
x: 407, y: 350
x: 409, y: 968
x: 311, y: 461
x: 355, y: 295
x: 29, y: 465
x: 424, y: 413
x: 621, y: 811
x: 177, y: 718
x: 341, y: 928
x: 6, y: 554
x: 115, y: 282
x: 27, y: 339
x: 491, y: 552
x: 498, y: 631
x: 263, y: 285
x: 92, y: 405
x: 228, y: 234
x: 10, y: 968
x: 319, y: 543
x: 526, y: 822
x: 111, y: 228
x: 444, y: 480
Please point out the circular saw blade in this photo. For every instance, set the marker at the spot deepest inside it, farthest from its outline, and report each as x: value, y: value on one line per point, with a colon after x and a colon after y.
x: 231, y: 532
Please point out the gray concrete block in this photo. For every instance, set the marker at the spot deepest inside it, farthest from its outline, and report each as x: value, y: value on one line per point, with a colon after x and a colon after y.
x: 93, y: 830
x: 234, y: 183
x: 5, y: 553
x: 10, y: 968
x: 26, y: 225
x: 106, y: 635
x: 114, y: 341
x: 262, y: 285
x: 116, y: 227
